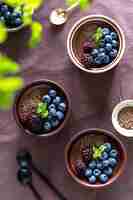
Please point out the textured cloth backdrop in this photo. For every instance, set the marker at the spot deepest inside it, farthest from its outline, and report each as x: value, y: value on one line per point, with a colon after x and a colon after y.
x: 93, y: 98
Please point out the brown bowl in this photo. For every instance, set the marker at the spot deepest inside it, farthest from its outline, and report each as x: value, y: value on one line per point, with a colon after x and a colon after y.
x: 39, y: 88
x: 81, y: 30
x: 72, y: 154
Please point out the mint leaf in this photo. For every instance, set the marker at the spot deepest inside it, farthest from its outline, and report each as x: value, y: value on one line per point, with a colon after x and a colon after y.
x: 97, y: 36
x: 45, y: 114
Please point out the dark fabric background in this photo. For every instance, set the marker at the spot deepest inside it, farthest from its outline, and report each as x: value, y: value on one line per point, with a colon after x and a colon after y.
x: 93, y: 98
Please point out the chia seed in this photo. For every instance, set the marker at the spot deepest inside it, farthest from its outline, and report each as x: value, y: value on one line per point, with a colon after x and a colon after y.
x: 125, y: 118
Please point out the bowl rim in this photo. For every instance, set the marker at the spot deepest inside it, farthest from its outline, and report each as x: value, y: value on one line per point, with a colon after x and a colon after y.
x: 81, y: 22
x: 20, y: 94
x: 115, y: 113
x: 78, y: 180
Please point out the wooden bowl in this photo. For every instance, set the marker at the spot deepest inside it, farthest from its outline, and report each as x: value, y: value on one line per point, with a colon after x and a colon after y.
x: 79, y: 33
x: 39, y: 88
x: 72, y: 154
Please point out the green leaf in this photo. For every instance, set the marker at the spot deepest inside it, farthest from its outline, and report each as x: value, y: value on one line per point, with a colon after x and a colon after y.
x: 14, y: 3
x: 7, y: 65
x: 97, y: 36
x: 35, y: 4
x: 45, y: 114
x: 98, y: 151
x: 82, y: 3
x: 6, y: 100
x: 11, y: 84
x: 41, y: 108
x: 36, y: 34
x: 3, y: 33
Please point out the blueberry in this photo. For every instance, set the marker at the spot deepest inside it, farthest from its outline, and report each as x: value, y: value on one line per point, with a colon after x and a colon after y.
x: 2, y: 19
x: 108, y: 147
x: 46, y: 99
x: 88, y: 173
x: 92, y: 179
x: 106, y: 59
x: 16, y: 15
x: 114, y: 43
x: 108, y: 47
x: 24, y: 164
x: 102, y: 43
x: 112, y: 162
x: 103, y: 178
x: 50, y: 117
x: 18, y: 21
x: 106, y: 31
x: 92, y: 164
x: 7, y: 15
x: 55, y: 123
x: 52, y: 112
x: 113, y: 53
x: 52, y: 106
x: 24, y: 176
x: 104, y: 156
x: 4, y: 8
x: 108, y: 171
x: 106, y: 163
x: 60, y: 115
x: 101, y: 56
x: 52, y: 93
x: 47, y: 126
x: 99, y: 165
x: 108, y: 38
x: 94, y: 52
x: 62, y: 107
x: 113, y: 35
x: 113, y: 153
x: 57, y: 100
x: 97, y: 61
x: 101, y: 50
x: 96, y: 172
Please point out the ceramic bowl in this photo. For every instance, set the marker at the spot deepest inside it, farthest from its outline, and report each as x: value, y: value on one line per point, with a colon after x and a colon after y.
x: 78, y: 34
x: 72, y: 154
x: 115, y: 114
x: 39, y: 88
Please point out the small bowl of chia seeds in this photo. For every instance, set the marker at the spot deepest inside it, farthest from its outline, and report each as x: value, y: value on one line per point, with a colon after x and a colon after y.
x: 122, y: 118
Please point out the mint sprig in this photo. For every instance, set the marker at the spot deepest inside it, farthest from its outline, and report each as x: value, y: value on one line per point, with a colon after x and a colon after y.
x: 98, y: 151
x: 42, y: 110
x: 97, y: 36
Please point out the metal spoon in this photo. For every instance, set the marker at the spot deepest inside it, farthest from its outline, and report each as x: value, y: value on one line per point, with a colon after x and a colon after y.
x: 24, y: 159
x: 24, y: 176
x: 60, y: 16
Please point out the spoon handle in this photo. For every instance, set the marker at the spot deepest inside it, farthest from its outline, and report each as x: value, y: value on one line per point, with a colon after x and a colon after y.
x: 71, y: 8
x: 47, y: 181
x: 35, y: 192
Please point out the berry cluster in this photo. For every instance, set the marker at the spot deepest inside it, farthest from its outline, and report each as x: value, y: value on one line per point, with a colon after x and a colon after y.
x: 100, y: 169
x: 53, y: 115
x: 104, y: 51
x: 9, y: 16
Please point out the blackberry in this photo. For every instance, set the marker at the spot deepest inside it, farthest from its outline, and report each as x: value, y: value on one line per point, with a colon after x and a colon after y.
x: 87, y: 60
x: 86, y: 153
x: 87, y: 47
x: 80, y: 167
x: 35, y: 124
